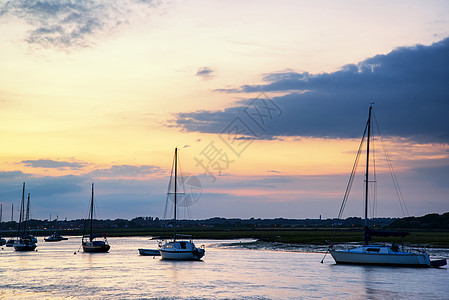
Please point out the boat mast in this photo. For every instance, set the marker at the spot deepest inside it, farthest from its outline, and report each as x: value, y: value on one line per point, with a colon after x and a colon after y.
x: 367, y: 166
x: 21, y: 210
x: 27, y: 216
x: 176, y: 174
x: 91, y: 210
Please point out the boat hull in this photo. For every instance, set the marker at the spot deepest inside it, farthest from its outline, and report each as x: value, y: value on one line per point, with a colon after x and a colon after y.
x: 182, y: 255
x: 149, y: 252
x: 55, y: 239
x: 24, y: 247
x: 181, y: 250
x: 404, y: 259
x: 96, y: 249
x: 52, y: 240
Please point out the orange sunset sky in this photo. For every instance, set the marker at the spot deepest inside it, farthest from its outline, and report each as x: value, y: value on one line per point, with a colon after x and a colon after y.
x: 97, y: 92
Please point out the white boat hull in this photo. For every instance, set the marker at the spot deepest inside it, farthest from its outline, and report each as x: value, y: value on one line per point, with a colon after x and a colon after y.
x: 149, y: 252
x: 180, y: 255
x: 385, y: 256
x: 181, y: 250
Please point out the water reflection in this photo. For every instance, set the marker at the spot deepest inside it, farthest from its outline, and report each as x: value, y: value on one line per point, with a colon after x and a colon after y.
x: 55, y: 272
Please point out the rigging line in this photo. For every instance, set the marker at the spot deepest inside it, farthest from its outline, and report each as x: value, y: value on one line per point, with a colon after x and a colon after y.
x: 168, y: 190
x: 188, y: 212
x: 351, y: 177
x: 393, y: 174
x: 374, y: 182
x: 181, y: 185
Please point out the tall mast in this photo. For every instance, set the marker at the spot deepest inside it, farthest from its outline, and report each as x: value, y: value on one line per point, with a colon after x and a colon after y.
x: 27, y: 216
x: 12, y: 212
x: 367, y: 166
x: 176, y: 174
x: 22, y: 204
x: 92, y: 209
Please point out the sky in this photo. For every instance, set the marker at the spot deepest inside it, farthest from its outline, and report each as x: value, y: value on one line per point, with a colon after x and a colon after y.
x: 266, y: 101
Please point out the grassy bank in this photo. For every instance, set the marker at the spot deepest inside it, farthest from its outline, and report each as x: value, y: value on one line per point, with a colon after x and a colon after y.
x: 436, y: 238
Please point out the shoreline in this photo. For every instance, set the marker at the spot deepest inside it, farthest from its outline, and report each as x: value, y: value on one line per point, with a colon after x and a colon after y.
x: 286, y: 236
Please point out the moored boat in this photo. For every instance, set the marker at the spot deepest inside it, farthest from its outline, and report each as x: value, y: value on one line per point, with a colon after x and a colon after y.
x: 24, y: 244
x: 179, y: 249
x: 93, y: 242
x: 55, y: 237
x: 375, y: 254
x: 24, y: 241
x: 149, y: 252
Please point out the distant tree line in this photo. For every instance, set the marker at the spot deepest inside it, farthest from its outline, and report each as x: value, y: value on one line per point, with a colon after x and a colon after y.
x: 430, y: 221
x: 149, y: 222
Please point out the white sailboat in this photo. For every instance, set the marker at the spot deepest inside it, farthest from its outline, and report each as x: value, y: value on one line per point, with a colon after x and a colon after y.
x: 183, y: 249
x: 379, y: 254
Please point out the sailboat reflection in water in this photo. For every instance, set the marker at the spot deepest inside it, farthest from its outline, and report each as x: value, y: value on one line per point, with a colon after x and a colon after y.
x: 184, y: 248
x: 93, y: 242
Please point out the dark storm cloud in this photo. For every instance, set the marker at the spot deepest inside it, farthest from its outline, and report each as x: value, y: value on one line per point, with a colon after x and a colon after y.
x: 67, y: 23
x: 410, y: 88
x: 205, y: 73
x: 52, y: 164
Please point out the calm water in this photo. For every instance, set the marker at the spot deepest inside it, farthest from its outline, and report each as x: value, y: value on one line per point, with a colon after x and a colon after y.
x: 55, y: 272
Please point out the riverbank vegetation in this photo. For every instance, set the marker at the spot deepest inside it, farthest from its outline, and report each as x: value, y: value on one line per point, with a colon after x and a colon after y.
x: 430, y: 230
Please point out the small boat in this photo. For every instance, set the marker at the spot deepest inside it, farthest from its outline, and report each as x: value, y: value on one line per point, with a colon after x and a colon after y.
x: 378, y: 254
x: 149, y: 252
x: 93, y: 242
x: 25, y: 241
x: 55, y: 237
x: 10, y: 243
x: 2, y: 241
x: 179, y: 249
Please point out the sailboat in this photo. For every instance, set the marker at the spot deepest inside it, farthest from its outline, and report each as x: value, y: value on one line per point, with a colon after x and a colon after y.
x: 378, y: 254
x: 183, y: 249
x: 25, y: 241
x: 93, y: 242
